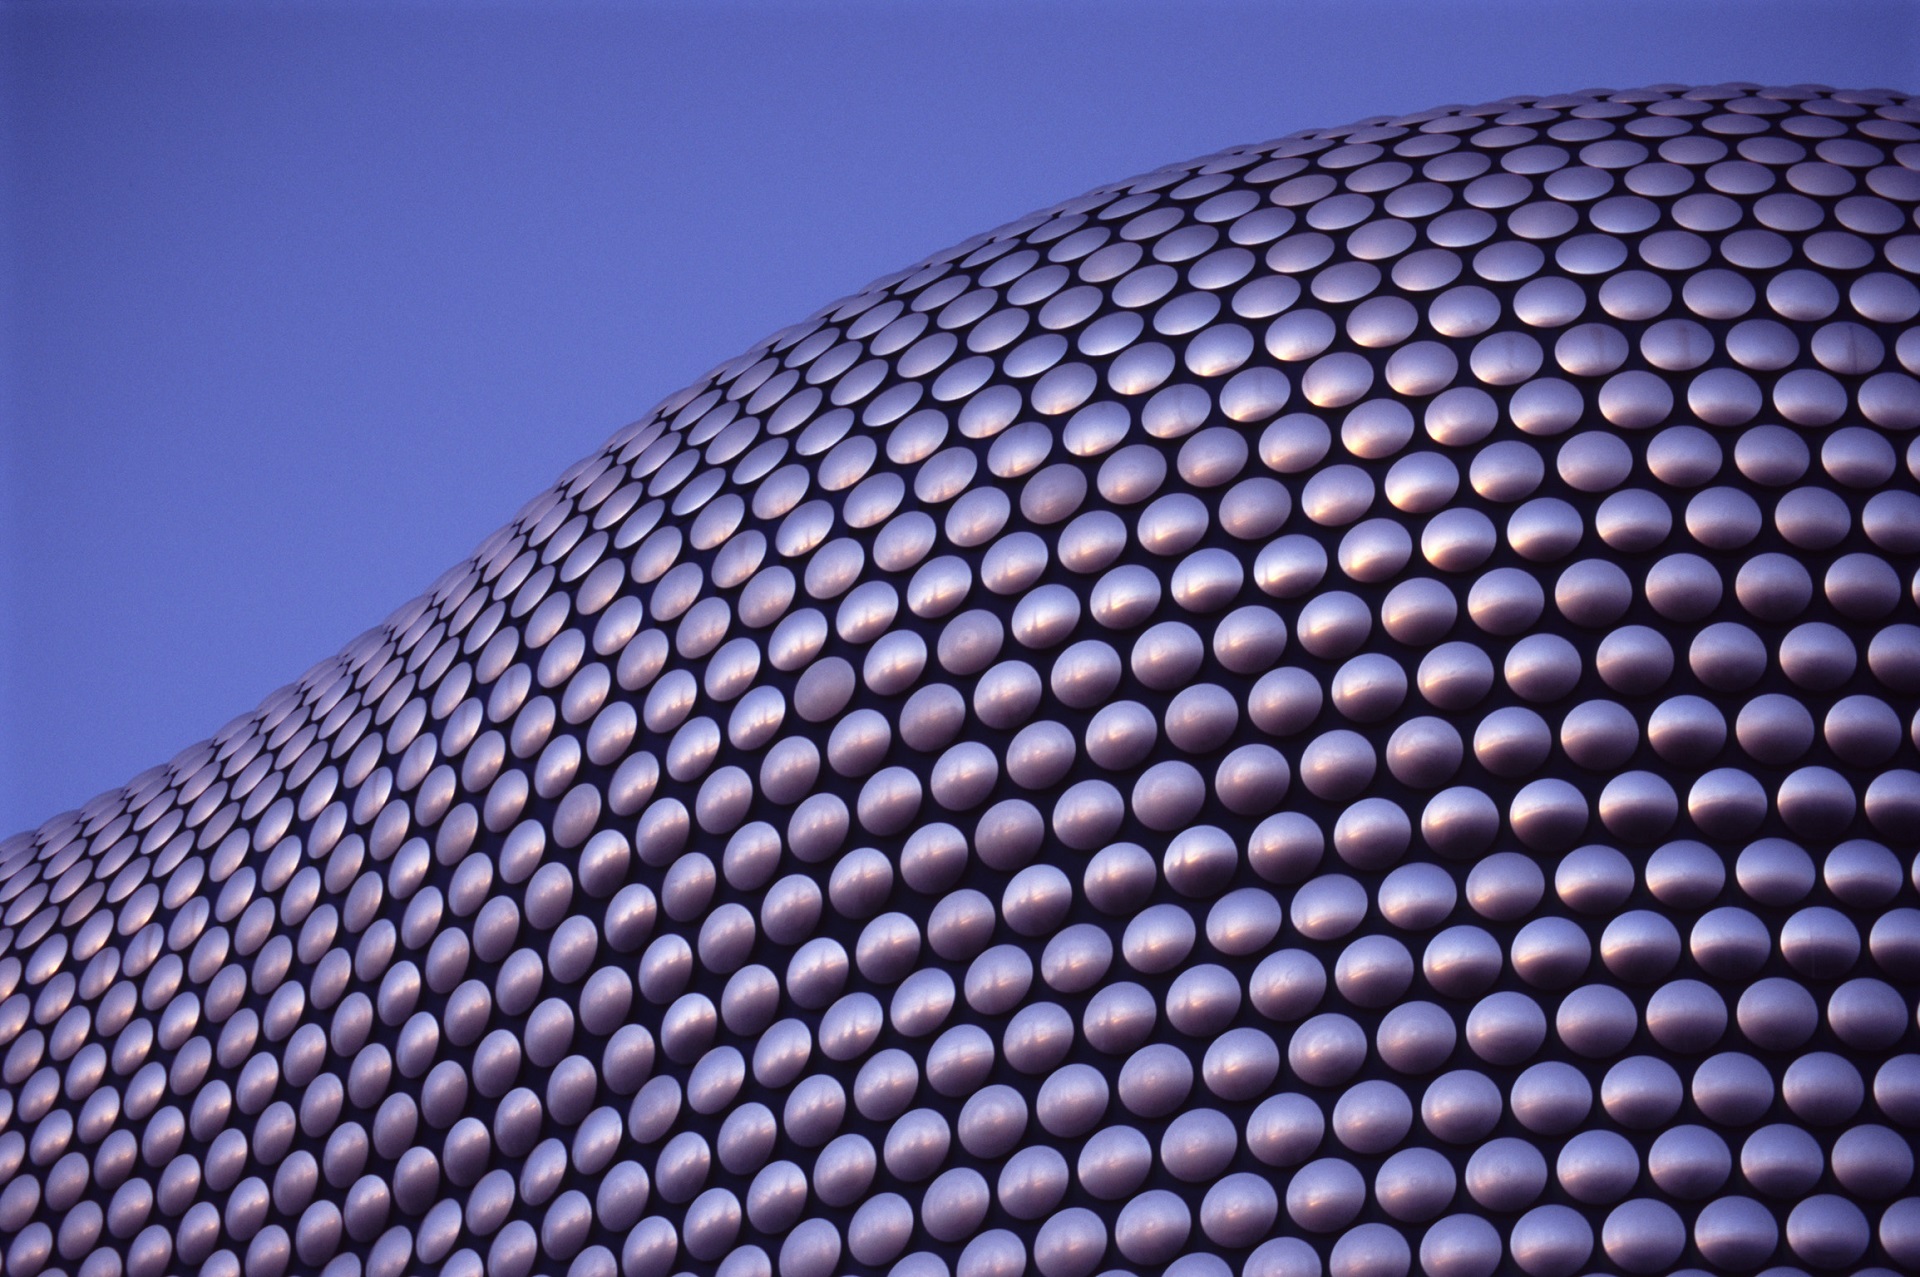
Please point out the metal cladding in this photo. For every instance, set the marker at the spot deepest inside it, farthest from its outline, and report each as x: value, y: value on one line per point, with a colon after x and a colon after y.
x: 1346, y: 706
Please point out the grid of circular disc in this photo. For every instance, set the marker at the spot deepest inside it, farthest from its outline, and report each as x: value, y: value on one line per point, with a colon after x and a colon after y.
x: 1347, y: 706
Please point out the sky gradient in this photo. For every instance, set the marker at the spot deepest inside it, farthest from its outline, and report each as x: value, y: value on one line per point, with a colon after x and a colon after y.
x: 299, y: 302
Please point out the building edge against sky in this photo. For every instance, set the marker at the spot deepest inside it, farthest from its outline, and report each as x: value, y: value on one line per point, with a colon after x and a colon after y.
x: 1346, y: 705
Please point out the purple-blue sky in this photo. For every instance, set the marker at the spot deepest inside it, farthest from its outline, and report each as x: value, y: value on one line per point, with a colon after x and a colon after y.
x: 300, y: 301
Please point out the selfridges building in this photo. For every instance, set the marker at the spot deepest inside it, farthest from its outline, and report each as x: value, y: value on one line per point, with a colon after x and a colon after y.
x: 1343, y: 707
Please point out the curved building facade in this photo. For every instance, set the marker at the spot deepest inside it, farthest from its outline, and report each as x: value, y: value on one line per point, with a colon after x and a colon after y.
x: 1343, y: 707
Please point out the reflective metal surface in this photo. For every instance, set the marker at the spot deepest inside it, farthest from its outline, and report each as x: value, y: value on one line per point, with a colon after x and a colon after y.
x: 1345, y: 706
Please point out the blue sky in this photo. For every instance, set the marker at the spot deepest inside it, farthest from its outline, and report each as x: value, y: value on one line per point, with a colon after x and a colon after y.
x: 300, y: 301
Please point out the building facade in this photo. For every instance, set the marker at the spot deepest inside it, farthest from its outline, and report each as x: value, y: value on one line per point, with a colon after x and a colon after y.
x: 1346, y: 706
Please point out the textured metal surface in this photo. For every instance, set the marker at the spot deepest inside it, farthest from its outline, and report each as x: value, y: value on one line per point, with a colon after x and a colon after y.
x: 1346, y: 705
